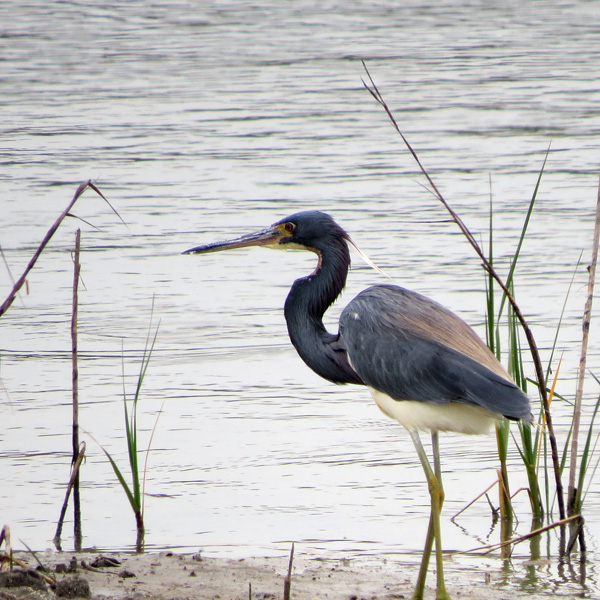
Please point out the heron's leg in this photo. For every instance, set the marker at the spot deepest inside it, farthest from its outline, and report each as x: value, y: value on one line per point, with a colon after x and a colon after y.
x: 435, y: 446
x: 420, y: 587
x: 441, y: 585
x: 436, y: 493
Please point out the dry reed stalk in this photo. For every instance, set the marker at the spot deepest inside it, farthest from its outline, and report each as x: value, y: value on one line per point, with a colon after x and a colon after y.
x: 77, y: 534
x: 21, y: 281
x: 587, y: 315
x: 9, y: 559
x: 78, y: 450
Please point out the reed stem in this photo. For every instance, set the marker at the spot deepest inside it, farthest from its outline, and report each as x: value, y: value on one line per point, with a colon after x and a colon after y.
x: 587, y: 313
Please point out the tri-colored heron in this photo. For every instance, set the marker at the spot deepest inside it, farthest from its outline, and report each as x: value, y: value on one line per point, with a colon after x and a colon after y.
x: 424, y: 366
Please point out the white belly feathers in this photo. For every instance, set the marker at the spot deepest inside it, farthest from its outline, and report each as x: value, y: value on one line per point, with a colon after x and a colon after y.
x: 422, y: 416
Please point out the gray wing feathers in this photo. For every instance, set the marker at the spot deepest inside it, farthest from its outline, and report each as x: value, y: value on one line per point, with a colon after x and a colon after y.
x: 411, y: 348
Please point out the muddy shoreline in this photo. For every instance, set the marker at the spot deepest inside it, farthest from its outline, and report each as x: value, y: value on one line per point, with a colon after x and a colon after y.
x: 173, y: 576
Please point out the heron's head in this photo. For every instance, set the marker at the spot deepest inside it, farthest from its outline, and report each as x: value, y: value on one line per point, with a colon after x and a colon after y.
x: 309, y: 230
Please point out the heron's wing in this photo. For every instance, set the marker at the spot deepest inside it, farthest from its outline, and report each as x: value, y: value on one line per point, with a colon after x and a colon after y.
x: 411, y: 348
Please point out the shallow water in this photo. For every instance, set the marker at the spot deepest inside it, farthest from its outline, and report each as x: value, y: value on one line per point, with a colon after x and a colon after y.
x: 202, y: 123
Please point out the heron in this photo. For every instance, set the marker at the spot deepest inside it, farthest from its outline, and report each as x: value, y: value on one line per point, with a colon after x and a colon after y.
x: 423, y: 365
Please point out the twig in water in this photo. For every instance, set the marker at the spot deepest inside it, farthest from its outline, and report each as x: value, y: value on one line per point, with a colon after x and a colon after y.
x: 10, y: 275
x: 462, y: 510
x: 523, y: 538
x: 74, y: 475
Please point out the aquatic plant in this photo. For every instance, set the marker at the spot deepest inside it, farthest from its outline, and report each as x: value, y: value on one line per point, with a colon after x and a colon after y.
x: 530, y: 444
x: 135, y: 490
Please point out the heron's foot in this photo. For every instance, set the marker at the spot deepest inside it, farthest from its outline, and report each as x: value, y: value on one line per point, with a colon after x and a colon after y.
x: 440, y: 595
x: 440, y: 592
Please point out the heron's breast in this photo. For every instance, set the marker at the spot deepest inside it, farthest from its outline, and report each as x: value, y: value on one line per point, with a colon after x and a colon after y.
x: 423, y: 416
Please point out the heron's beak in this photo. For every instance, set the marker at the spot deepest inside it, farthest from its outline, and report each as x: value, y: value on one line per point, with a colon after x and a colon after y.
x: 267, y: 237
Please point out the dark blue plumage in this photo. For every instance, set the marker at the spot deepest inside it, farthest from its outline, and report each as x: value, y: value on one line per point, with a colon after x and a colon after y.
x: 311, y: 296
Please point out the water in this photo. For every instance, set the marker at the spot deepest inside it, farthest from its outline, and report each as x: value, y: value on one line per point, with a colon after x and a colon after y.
x: 203, y: 122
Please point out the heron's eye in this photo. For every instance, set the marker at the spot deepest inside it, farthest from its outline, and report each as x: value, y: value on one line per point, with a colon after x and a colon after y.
x: 289, y: 226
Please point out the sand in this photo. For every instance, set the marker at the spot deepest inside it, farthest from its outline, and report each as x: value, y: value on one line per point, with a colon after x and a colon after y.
x: 171, y: 576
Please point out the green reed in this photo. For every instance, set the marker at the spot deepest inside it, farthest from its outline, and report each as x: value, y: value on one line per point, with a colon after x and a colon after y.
x: 494, y: 322
x: 135, y: 490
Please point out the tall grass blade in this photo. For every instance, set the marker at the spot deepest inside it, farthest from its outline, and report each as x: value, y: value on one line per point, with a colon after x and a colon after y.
x: 502, y: 427
x: 561, y: 317
x: 593, y: 451
x: 130, y: 496
x: 135, y: 491
x: 513, y: 265
x: 587, y: 455
x: 585, y: 458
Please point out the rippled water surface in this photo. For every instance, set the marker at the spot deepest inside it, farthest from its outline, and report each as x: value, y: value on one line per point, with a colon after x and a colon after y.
x: 204, y: 121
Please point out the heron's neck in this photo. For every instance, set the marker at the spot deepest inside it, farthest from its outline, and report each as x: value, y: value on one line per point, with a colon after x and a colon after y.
x: 305, y: 306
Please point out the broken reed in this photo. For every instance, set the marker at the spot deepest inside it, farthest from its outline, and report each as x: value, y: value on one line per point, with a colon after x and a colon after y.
x: 78, y: 450
x: 77, y: 534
